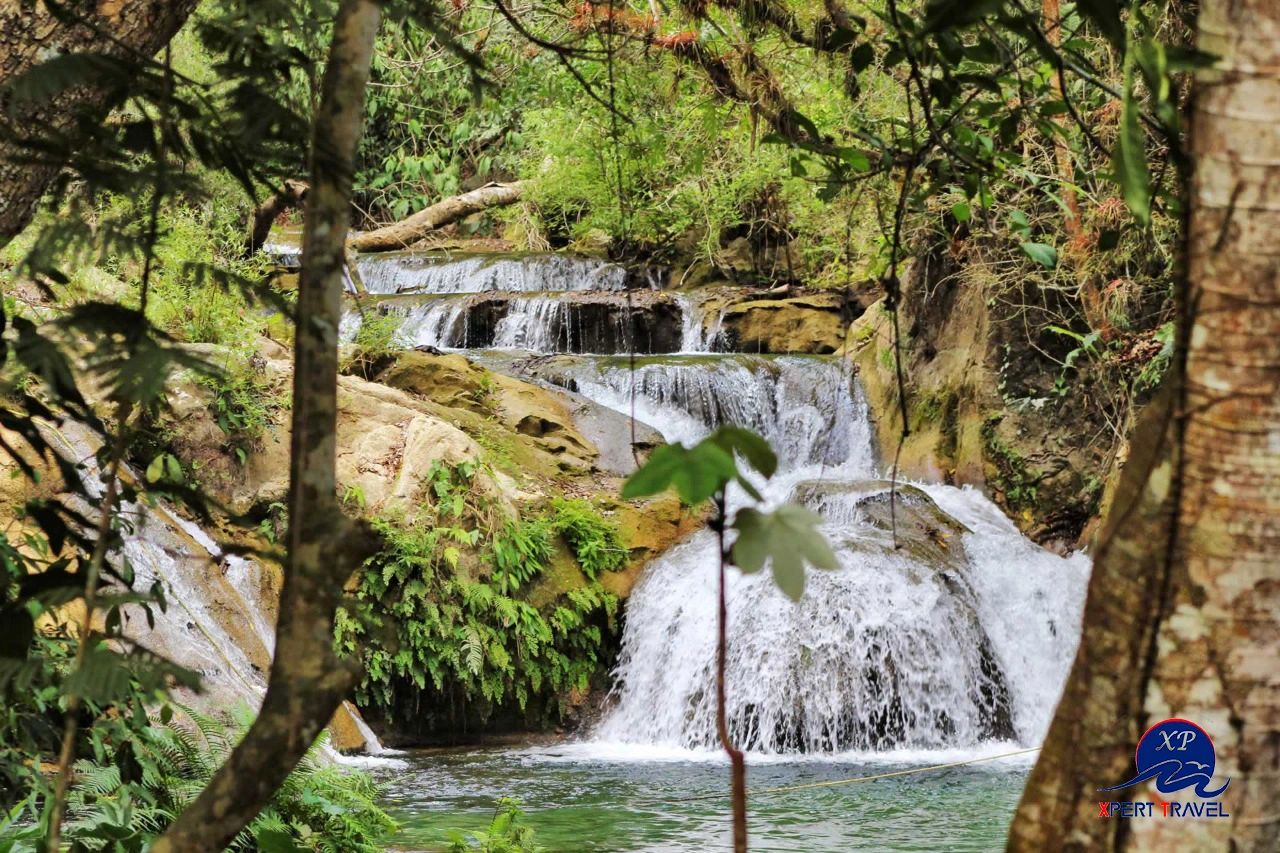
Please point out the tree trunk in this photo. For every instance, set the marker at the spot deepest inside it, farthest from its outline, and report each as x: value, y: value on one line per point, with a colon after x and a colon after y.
x: 29, y: 34
x: 1183, y: 618
x: 415, y: 227
x: 307, y: 681
x: 1051, y: 20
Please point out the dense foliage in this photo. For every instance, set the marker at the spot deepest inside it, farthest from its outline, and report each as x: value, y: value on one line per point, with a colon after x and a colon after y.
x: 129, y: 789
x: 442, y: 621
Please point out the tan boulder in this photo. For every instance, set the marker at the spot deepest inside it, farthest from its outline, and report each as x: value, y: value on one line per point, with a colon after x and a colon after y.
x: 387, y: 442
x: 347, y: 731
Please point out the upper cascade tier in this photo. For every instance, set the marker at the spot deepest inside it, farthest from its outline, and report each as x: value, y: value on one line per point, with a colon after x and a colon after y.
x: 587, y: 322
x: 419, y: 272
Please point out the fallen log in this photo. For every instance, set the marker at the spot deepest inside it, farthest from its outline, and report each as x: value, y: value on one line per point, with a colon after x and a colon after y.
x: 409, y: 230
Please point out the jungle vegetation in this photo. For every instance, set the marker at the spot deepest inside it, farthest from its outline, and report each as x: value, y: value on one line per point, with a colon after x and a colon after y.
x: 1107, y: 166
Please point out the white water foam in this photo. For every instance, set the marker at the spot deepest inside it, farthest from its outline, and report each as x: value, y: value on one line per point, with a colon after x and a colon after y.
x: 412, y: 272
x: 887, y: 656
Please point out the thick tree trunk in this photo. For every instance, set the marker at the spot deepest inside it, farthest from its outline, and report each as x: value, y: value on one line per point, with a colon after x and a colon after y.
x: 1191, y: 628
x: 307, y: 680
x: 415, y: 227
x: 29, y: 34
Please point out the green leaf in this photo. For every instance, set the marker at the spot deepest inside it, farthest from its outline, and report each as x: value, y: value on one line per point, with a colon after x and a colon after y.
x: 855, y: 159
x: 696, y: 474
x: 1129, y: 157
x: 752, y: 447
x: 961, y: 212
x: 156, y: 469
x: 1041, y: 253
x: 276, y: 841
x: 787, y: 537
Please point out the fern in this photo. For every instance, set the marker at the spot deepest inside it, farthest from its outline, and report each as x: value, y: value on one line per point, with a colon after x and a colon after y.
x: 594, y: 541
x: 319, y: 807
x: 456, y: 633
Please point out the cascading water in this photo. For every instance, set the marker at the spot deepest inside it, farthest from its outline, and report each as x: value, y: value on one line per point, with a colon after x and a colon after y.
x: 915, y: 647
x: 696, y: 334
x: 537, y: 324
x: 944, y: 633
x: 215, y: 621
x: 408, y: 272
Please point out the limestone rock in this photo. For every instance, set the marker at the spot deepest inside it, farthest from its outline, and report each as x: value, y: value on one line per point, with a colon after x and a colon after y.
x: 387, y: 442
x: 776, y: 321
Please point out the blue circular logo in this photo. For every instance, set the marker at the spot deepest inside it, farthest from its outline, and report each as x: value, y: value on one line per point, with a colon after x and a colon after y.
x: 1175, y: 754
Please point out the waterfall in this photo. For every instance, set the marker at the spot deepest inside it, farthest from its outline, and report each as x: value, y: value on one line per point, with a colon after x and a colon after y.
x: 696, y: 334
x: 218, y: 618
x: 537, y: 324
x: 439, y: 323
x: 920, y: 647
x: 944, y: 628
x: 808, y: 408
x: 412, y: 272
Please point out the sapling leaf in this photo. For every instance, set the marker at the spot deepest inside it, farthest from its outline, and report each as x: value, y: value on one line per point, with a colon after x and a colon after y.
x: 752, y: 447
x: 788, y: 537
x: 1129, y: 157
x: 695, y: 473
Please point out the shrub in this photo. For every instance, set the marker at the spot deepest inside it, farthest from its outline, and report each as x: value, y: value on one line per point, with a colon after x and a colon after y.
x: 594, y: 540
x: 374, y: 342
x: 127, y: 796
x: 438, y: 613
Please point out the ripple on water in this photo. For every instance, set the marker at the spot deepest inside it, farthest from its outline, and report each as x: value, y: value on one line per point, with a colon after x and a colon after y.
x: 602, y: 797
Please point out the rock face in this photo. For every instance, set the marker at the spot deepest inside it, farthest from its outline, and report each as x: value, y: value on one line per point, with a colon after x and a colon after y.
x: 802, y: 324
x: 904, y: 517
x: 387, y: 440
x: 425, y: 409
x: 754, y: 321
x: 534, y: 442
x: 643, y: 321
x: 982, y: 406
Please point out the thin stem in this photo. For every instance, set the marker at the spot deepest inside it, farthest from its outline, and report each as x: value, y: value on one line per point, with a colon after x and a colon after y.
x: 737, y: 762
x: 71, y: 725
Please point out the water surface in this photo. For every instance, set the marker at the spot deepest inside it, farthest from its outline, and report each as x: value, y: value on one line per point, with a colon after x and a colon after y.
x: 593, y: 797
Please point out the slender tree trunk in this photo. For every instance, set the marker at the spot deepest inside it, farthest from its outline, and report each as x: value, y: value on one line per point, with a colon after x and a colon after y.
x: 30, y: 33
x: 1051, y: 18
x: 413, y: 228
x: 1183, y: 618
x: 307, y: 681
